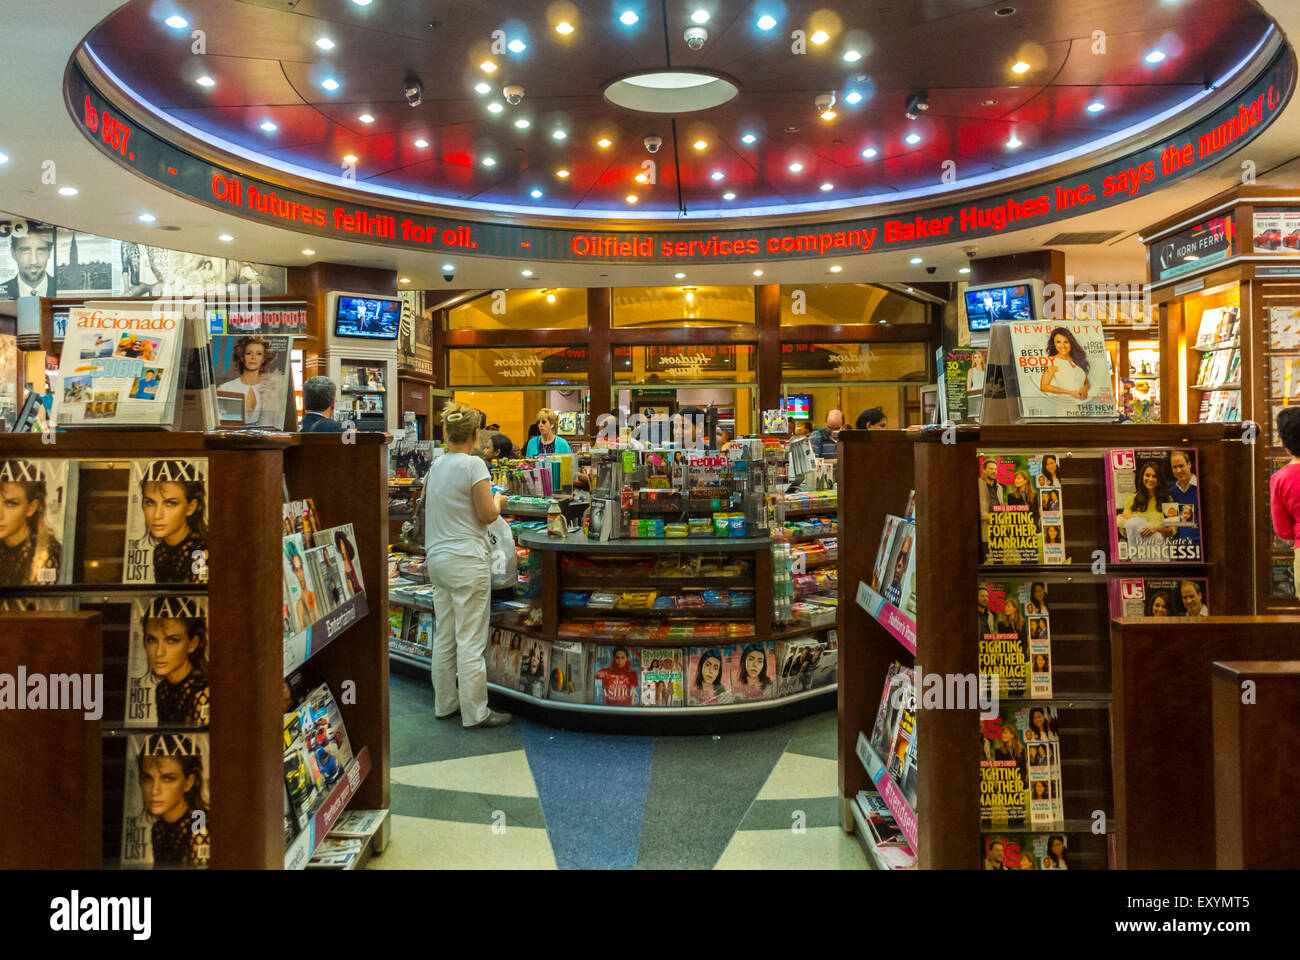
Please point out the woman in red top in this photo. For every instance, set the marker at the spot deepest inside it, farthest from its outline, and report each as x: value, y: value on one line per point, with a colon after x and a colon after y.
x: 1284, y: 488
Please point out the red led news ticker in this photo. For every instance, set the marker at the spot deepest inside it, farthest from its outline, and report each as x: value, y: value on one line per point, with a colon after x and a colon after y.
x: 1195, y: 148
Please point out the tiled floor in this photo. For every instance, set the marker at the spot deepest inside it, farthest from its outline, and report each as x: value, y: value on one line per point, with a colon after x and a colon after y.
x: 528, y: 796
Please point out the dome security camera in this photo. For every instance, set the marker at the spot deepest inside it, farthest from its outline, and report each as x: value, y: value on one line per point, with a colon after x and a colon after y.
x: 695, y: 37
x: 652, y: 144
x: 931, y: 269
x: 513, y: 94
x: 448, y: 272
x: 413, y: 91
x: 824, y: 102
x: 970, y: 252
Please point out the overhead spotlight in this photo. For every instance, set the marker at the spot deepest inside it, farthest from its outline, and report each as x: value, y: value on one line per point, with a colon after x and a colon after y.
x: 267, y: 126
x: 728, y: 196
x: 487, y: 66
x: 403, y: 279
x: 819, y: 37
x: 329, y: 83
x: 915, y: 260
x: 206, y: 81
x: 717, y: 176
x: 1020, y: 67
x: 1096, y: 107
x: 679, y: 276
x: 176, y: 22
x: 421, y: 143
x: 700, y: 16
x: 964, y: 270
x: 535, y: 193
x: 147, y: 218
x: 516, y: 46
x: 562, y: 173
x: 836, y: 268
x: 758, y: 273
x: 912, y: 139
x: 700, y: 144
x: 4, y: 158
x: 853, y: 97
x: 225, y: 238
x: 1155, y: 56
x: 550, y: 296
x: 558, y: 134
x: 489, y: 161
x: 564, y: 27
x: 851, y: 56
x: 513, y: 93
x: 413, y: 90
x: 632, y: 198
x: 308, y: 252
x: 494, y: 107
x: 67, y: 191
x: 869, y: 152
x: 628, y: 18
x: 795, y: 167
x: 482, y: 88
x: 827, y: 187
x: 1014, y: 143
x: 641, y: 178
x: 748, y: 138
x: 526, y: 273
x: 523, y: 123
x: 766, y: 23
x: 349, y: 158
x: 917, y: 104
x: 366, y: 118
x: 325, y: 43
x: 604, y: 143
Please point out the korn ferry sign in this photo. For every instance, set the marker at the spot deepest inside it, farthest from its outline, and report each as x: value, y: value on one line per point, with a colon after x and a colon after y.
x: 1180, y: 155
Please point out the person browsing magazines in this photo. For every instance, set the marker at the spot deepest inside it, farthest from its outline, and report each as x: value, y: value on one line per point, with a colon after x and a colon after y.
x: 546, y: 441
x: 1284, y: 486
x: 459, y: 507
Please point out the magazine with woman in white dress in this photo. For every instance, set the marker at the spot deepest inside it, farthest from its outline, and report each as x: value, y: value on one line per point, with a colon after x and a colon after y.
x: 254, y: 367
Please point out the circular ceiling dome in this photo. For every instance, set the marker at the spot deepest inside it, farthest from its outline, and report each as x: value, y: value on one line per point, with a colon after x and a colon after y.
x: 671, y: 91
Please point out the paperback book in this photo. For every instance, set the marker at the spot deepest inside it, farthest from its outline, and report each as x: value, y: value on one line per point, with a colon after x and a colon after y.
x: 165, y: 806
x: 1159, y: 597
x: 37, y: 522
x: 1154, y: 497
x: 662, y: 672
x: 1021, y: 509
x: 167, y: 522
x: 167, y: 667
x: 708, y: 675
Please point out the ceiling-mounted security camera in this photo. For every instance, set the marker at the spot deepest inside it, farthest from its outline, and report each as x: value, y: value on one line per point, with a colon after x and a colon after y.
x: 917, y: 104
x: 970, y: 252
x: 449, y: 272
x: 513, y: 93
x: 652, y: 144
x: 413, y: 91
x: 695, y: 37
x: 931, y: 269
x: 824, y: 102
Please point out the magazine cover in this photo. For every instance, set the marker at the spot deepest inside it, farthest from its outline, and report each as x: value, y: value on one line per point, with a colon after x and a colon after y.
x: 300, y: 776
x: 1004, y: 636
x: 898, y: 582
x: 167, y: 666
x: 534, y: 667
x: 1021, y: 509
x: 617, y: 676
x: 325, y: 736
x: 119, y: 366
x: 396, y: 622
x: 795, y: 657
x: 910, y: 775
x: 344, y: 542
x: 903, y: 736
x: 570, y: 672
x: 881, y: 569
x: 505, y: 654
x: 167, y: 522
x: 38, y: 506
x: 1156, y: 597
x: 882, y: 732
x: 1004, y: 791
x: 1155, y: 499
x: 165, y: 809
x: 1040, y: 656
x: 1062, y: 370
x: 304, y: 607
x: 256, y: 368
x: 708, y: 675
x: 329, y: 581
x: 755, y: 672
x: 662, y: 670
x: 1025, y: 852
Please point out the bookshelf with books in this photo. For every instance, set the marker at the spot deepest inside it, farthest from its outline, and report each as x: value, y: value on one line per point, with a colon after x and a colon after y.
x: 215, y: 588
x: 1033, y: 600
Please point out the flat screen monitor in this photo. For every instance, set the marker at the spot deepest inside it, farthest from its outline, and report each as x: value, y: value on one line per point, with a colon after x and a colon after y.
x: 984, y: 305
x: 798, y: 406
x: 367, y: 318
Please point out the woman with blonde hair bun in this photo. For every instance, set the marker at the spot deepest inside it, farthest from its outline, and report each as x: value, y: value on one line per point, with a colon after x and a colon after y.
x: 459, y: 506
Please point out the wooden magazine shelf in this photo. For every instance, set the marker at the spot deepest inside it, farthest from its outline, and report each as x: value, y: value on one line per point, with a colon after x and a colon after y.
x: 885, y: 466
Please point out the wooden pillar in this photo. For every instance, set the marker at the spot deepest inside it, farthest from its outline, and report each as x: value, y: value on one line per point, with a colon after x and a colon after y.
x: 767, y: 317
x: 439, y: 342
x: 600, y: 364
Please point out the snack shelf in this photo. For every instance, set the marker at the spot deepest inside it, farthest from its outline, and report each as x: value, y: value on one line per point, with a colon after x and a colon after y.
x: 745, y: 613
x: 569, y: 582
x: 304, y: 845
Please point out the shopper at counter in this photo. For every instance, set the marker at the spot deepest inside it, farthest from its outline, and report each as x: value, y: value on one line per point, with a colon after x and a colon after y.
x: 546, y: 441
x: 318, y: 401
x: 456, y: 520
x: 826, y: 440
x: 1284, y: 487
x: 873, y: 419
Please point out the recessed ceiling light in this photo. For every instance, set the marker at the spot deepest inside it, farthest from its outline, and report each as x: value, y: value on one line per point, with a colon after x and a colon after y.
x: 349, y: 158
x: 853, y: 97
x: 526, y: 273
x: 1020, y: 67
x: 550, y: 297
x: 819, y: 37
x: 482, y: 88
x: 912, y: 138
x: 403, y: 279
x: 700, y: 16
x: 308, y: 252
x: 448, y: 268
x: 362, y: 3
x: 964, y: 270
x: 829, y: 114
x: 700, y: 144
x: 717, y: 176
x: 728, y: 196
x: 516, y: 46
x: 487, y: 66
x: 495, y: 107
x: 366, y: 118
x: 562, y: 173
x: 523, y: 123
x: 680, y: 276
x: 836, y: 269
x: 631, y: 198
x: 147, y: 218
x: 1014, y: 143
x: 489, y: 161
x: 558, y: 134
x: 1155, y: 56
x: 421, y: 143
x: 176, y: 22
x: 206, y: 81
x: 225, y: 238
x: 1096, y: 107
x: 325, y: 43
x: 869, y: 152
x: 564, y: 27
x: 68, y: 191
x: 604, y: 142
x: 766, y: 23
x: 329, y: 83
x: 991, y: 102
x: 748, y: 138
x: 628, y: 18
x: 758, y: 273
x: 826, y: 187
x: 1004, y: 11
x: 851, y: 56
x: 268, y: 127
x: 641, y: 178
x: 795, y: 167
x: 915, y: 260
x: 4, y: 158
x: 535, y: 193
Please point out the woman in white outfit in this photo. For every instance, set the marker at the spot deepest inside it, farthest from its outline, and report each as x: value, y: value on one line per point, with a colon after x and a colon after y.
x: 1067, y: 368
x: 253, y: 358
x: 458, y: 507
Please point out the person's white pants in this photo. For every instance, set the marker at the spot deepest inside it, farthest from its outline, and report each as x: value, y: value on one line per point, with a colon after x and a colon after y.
x: 462, y: 601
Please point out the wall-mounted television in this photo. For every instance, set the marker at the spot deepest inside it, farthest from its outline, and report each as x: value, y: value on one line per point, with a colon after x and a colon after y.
x: 366, y: 317
x: 988, y: 303
x: 798, y: 406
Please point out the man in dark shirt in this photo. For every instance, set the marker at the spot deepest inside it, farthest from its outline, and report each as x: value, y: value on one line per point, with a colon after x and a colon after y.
x: 826, y: 440
x: 318, y: 398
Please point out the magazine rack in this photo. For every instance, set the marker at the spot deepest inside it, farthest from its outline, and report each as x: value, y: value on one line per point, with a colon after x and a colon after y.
x: 247, y: 474
x: 941, y: 466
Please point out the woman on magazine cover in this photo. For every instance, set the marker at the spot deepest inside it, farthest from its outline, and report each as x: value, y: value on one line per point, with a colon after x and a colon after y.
x: 252, y: 359
x: 306, y: 608
x: 174, y: 516
x: 1055, y: 859
x: 752, y: 681
x: 1040, y: 727
x: 708, y: 687
x: 29, y: 551
x: 1051, y: 475
x: 170, y: 769
x: 532, y: 678
x: 176, y: 651
x: 1143, y: 517
x: 349, y: 554
x: 1022, y: 492
x: 1037, y: 598
x: 1067, y: 367
x: 1160, y: 604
